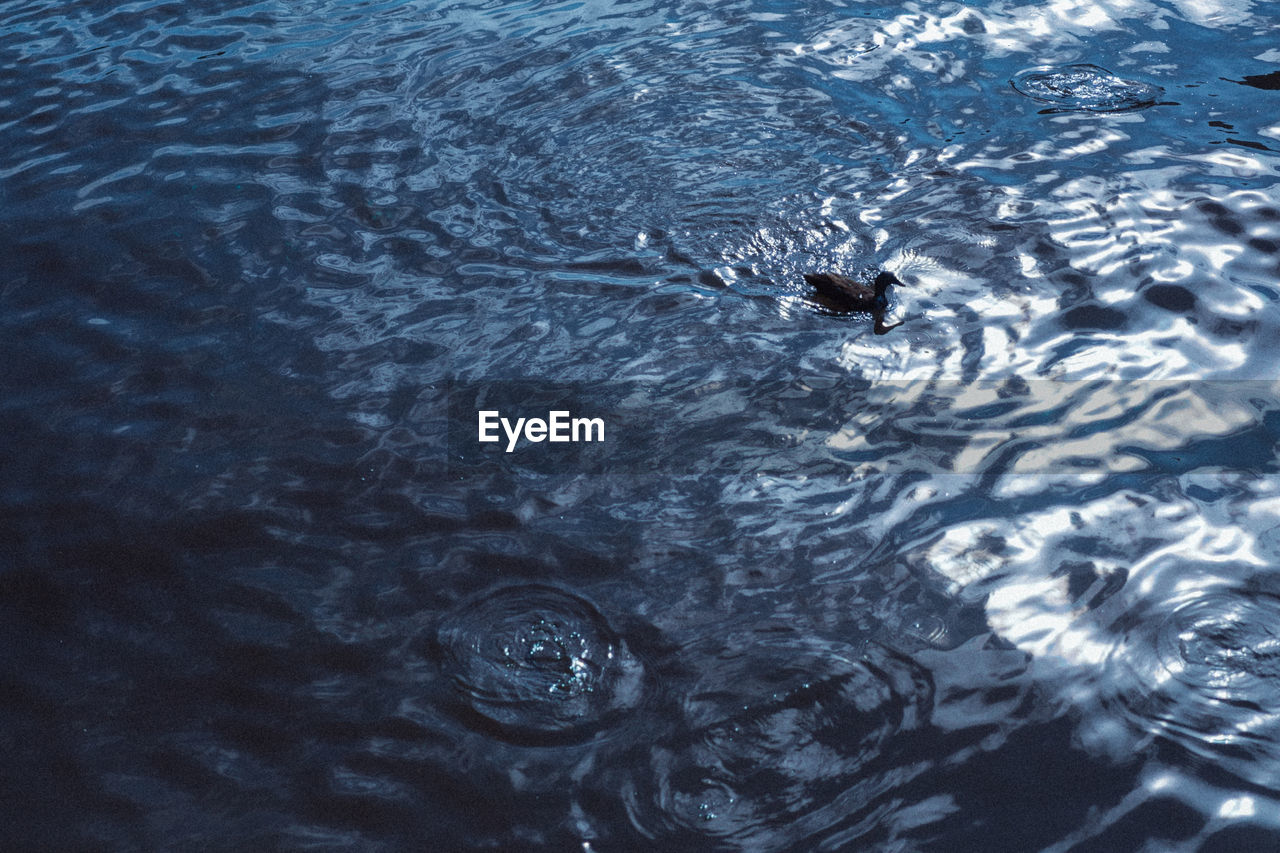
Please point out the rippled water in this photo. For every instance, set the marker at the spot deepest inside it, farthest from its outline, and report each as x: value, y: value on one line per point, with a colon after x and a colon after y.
x: 1000, y: 579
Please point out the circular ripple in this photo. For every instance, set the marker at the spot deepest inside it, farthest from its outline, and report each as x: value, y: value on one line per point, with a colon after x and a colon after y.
x: 784, y: 747
x: 1225, y: 646
x: 1087, y: 88
x: 1208, y: 677
x: 538, y: 663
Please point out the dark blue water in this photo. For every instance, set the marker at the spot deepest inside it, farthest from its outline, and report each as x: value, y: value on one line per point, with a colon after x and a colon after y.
x: 1004, y: 578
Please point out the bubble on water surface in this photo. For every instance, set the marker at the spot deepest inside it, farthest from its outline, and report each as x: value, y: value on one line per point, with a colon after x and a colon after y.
x: 1085, y: 88
x: 539, y: 663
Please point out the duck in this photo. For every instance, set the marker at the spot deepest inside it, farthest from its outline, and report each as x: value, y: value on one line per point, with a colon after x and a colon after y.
x: 843, y: 295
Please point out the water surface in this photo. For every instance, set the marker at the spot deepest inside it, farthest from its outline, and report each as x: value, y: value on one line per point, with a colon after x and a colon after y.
x: 1000, y: 579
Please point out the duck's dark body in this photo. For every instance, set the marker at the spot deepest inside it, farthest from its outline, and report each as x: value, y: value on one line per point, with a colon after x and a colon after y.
x: 846, y: 296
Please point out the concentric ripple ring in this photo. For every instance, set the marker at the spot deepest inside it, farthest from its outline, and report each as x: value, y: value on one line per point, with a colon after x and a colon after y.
x: 538, y: 663
x: 1208, y: 677
x: 1085, y: 88
x: 783, y: 744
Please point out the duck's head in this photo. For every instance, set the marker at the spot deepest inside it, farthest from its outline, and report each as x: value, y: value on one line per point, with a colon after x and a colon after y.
x: 882, y: 282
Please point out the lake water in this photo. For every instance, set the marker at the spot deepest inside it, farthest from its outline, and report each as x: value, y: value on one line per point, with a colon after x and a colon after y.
x: 1004, y: 578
